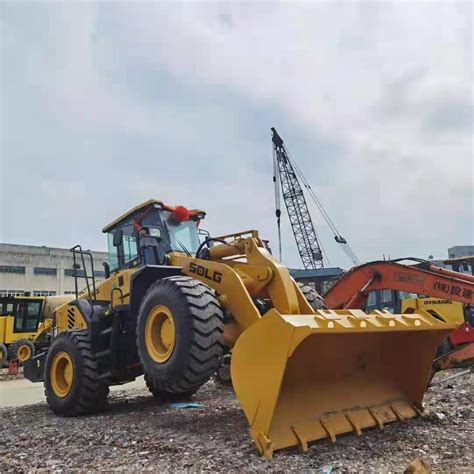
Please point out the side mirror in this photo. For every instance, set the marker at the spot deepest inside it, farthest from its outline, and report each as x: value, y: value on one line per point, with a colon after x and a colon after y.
x: 118, y: 234
x: 106, y: 269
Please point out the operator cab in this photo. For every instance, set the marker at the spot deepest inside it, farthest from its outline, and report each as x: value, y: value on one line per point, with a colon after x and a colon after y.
x: 25, y: 311
x: 148, y: 232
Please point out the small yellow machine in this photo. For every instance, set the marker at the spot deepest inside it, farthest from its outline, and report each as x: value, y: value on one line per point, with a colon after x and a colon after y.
x: 25, y: 325
x: 172, y: 306
x: 21, y: 325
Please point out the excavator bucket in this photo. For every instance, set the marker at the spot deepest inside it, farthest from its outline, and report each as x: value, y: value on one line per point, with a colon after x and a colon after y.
x: 300, y: 378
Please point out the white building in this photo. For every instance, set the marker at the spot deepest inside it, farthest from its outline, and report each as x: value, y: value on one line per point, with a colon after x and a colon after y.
x: 42, y: 271
x: 461, y: 251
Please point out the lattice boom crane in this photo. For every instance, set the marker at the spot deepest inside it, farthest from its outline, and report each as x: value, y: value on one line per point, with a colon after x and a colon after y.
x: 285, y: 178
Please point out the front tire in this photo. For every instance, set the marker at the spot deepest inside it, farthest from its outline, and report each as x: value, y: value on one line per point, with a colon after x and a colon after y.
x: 72, y: 386
x: 179, y: 336
x: 21, y: 350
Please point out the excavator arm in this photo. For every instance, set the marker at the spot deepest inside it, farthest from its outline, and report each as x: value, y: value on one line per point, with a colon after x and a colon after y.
x: 423, y: 278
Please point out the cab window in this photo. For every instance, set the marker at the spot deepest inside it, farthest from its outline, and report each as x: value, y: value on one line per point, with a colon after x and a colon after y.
x: 6, y: 309
x: 113, y: 256
x: 130, y: 250
x: 184, y: 236
x: 386, y: 296
x: 372, y: 299
x: 27, y: 316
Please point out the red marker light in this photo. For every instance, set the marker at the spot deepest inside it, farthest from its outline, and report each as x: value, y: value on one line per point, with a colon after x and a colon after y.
x: 180, y: 214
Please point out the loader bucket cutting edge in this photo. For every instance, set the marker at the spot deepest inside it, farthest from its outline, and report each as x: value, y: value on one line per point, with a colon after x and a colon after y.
x: 300, y: 378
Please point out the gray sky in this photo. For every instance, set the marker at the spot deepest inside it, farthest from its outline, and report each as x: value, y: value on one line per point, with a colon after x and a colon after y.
x: 105, y: 105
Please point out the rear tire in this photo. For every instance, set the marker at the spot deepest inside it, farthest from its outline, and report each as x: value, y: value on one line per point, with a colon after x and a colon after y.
x: 178, y: 361
x: 3, y: 355
x: 21, y: 350
x: 72, y: 386
x: 314, y: 299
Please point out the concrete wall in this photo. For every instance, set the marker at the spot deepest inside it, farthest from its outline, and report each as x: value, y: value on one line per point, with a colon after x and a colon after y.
x: 31, y: 257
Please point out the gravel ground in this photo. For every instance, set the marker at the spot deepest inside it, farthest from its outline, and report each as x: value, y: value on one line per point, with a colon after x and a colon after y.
x: 4, y: 374
x: 137, y: 433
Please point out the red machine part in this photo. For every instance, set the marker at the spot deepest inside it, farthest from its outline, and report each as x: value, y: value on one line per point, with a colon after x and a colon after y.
x: 463, y: 335
x: 352, y: 290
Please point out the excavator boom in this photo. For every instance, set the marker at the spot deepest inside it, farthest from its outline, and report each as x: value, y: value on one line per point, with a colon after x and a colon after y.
x: 424, y: 278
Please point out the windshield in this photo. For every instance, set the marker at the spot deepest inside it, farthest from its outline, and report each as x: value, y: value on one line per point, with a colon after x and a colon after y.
x: 182, y: 234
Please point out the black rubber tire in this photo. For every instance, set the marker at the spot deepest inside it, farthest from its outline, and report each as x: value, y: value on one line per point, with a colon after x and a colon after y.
x: 14, y: 347
x: 314, y: 299
x: 166, y: 396
x: 3, y: 355
x: 88, y: 394
x: 199, y: 324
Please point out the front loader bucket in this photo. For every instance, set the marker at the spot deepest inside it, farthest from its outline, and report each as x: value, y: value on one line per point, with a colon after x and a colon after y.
x: 301, y: 378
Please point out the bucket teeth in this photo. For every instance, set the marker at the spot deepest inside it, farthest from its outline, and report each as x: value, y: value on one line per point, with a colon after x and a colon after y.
x: 264, y: 445
x: 301, y: 378
x: 302, y: 441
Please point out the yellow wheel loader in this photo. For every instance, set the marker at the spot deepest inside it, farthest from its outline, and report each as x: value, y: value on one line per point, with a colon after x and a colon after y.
x: 25, y: 325
x: 171, y: 307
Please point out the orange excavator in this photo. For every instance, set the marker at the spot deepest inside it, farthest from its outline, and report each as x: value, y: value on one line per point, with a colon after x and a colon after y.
x: 423, y: 278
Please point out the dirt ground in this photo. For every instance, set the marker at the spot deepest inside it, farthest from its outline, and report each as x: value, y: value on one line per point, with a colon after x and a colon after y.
x: 4, y: 374
x: 138, y: 433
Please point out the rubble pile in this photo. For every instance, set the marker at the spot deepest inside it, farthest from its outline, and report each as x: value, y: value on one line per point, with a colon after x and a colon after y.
x: 138, y: 433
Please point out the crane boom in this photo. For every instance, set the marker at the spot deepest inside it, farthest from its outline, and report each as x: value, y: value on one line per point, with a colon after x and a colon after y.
x: 306, y: 238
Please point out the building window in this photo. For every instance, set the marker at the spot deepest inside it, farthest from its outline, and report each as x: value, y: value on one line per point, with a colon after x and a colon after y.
x: 80, y: 273
x: 69, y: 292
x: 11, y: 269
x: 70, y: 272
x: 44, y: 271
x: 44, y: 293
x: 12, y: 292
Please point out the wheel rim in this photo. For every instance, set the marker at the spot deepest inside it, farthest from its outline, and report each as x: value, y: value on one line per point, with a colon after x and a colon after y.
x: 24, y: 353
x: 160, y: 334
x: 62, y: 374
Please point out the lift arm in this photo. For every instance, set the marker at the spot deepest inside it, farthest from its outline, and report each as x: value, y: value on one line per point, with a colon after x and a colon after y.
x: 423, y: 278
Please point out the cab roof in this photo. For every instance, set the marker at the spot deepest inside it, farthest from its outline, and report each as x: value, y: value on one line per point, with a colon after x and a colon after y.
x: 145, y: 205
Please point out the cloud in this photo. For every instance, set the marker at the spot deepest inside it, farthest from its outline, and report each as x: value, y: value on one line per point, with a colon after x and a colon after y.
x: 105, y: 104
